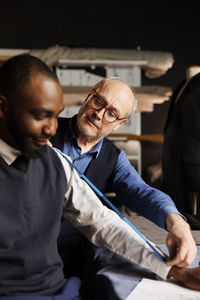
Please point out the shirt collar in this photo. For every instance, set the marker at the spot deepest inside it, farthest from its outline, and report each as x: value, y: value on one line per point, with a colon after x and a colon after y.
x: 70, y: 135
x: 8, y: 153
x: 96, y: 150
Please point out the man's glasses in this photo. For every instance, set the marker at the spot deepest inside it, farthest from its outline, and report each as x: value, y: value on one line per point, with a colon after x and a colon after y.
x: 98, y: 104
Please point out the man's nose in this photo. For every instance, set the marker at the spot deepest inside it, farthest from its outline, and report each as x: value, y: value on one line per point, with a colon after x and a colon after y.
x: 100, y: 112
x: 50, y: 127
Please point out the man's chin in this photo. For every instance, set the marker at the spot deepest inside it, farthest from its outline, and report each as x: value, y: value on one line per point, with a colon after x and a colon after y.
x: 36, y: 152
x: 88, y: 131
x: 90, y: 135
x: 32, y: 151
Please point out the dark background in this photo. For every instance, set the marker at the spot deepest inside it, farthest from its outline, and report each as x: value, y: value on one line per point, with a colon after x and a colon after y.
x: 171, y: 26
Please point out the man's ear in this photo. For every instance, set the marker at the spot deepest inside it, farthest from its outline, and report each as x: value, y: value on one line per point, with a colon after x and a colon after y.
x: 3, y: 105
x: 120, y: 124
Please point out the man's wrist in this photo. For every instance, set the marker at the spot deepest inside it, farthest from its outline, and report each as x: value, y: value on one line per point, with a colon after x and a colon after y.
x: 173, y: 220
x: 177, y: 273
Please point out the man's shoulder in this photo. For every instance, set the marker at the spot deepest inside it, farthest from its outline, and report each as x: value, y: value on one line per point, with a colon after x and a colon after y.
x: 63, y: 123
x: 63, y: 126
x: 108, y: 144
x: 195, y: 79
x: 48, y: 152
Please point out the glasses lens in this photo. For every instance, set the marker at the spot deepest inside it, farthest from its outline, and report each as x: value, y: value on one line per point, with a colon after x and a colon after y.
x: 109, y: 116
x: 97, y: 102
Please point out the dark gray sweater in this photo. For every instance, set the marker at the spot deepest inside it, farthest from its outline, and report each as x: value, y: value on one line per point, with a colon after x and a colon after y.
x: 31, y: 209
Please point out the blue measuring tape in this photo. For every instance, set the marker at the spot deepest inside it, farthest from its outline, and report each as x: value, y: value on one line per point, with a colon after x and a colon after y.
x: 157, y: 253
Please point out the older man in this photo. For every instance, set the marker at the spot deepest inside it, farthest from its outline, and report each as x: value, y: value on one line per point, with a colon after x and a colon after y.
x: 83, y: 138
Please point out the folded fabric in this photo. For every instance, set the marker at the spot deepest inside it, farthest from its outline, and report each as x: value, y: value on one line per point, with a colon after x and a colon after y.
x: 157, y: 63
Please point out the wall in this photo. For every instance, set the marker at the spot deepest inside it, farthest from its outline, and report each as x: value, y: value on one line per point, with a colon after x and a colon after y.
x: 153, y: 25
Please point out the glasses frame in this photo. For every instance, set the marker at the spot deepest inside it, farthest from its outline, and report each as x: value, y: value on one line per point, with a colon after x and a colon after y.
x: 104, y: 106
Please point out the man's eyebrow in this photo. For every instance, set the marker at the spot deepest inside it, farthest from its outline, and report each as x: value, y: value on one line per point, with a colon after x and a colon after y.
x: 43, y: 110
x: 114, y: 109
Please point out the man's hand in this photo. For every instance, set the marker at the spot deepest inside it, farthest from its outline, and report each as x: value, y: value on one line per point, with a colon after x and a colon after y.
x: 189, y: 277
x: 180, y: 242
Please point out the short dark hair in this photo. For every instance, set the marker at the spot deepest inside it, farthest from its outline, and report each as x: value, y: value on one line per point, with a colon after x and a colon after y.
x: 16, y: 72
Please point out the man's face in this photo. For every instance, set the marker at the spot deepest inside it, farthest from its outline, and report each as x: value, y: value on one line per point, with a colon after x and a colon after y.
x: 31, y: 116
x: 117, y: 98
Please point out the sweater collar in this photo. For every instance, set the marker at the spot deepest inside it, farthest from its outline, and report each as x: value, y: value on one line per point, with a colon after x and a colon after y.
x: 8, y: 153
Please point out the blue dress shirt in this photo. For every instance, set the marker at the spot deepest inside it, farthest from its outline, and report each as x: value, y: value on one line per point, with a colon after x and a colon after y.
x: 129, y: 187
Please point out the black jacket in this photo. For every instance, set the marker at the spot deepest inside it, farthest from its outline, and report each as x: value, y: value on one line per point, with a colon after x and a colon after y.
x: 181, y: 148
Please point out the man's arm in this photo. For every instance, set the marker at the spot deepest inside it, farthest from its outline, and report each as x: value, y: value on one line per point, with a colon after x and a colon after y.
x: 189, y: 277
x: 133, y: 192
x: 156, y: 206
x: 103, y: 227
